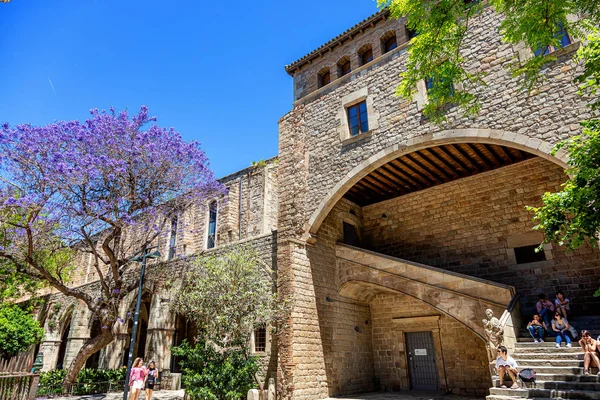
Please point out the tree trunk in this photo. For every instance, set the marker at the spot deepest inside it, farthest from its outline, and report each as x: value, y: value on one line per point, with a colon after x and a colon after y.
x: 93, y: 345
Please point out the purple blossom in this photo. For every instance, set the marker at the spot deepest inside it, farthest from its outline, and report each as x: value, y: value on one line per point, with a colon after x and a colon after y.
x: 116, y: 291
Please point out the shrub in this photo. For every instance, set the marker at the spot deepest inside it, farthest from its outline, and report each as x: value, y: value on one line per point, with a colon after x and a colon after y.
x: 88, y: 381
x: 210, y: 374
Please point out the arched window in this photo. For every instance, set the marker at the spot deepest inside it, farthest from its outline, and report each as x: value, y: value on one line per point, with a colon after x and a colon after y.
x: 388, y: 42
x: 173, y: 238
x: 324, y: 77
x: 212, y: 225
x: 344, y: 66
x: 365, y: 54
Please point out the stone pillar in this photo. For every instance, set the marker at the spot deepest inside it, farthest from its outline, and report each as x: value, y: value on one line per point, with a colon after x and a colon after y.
x: 49, y: 347
x: 113, y: 353
x: 161, y: 328
x: 79, y: 332
x: 302, y: 371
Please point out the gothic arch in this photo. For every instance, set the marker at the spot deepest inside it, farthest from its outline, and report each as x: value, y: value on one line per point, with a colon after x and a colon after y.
x: 490, y: 136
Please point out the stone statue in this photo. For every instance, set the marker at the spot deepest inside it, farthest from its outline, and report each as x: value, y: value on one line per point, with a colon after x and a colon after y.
x: 494, y: 333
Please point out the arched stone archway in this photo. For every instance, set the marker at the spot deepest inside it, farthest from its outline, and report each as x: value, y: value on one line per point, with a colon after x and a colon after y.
x: 534, y: 146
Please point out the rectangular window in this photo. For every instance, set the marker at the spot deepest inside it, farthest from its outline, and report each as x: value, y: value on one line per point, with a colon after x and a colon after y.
x: 563, y: 40
x: 358, y: 120
x: 350, y: 236
x: 212, y: 224
x: 173, y: 239
x: 260, y: 339
x: 527, y: 254
x: 430, y: 83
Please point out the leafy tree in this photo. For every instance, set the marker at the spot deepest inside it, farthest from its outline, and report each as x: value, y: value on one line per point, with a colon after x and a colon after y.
x: 105, y: 187
x: 435, y: 52
x: 227, y: 296
x: 18, y: 330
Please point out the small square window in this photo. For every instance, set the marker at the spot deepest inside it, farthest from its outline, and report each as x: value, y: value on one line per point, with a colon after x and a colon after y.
x: 411, y: 33
x: 390, y: 44
x: 358, y: 120
x: 260, y: 339
x: 563, y: 38
x: 350, y: 236
x: 527, y: 254
x: 366, y: 57
x: 344, y: 68
x: 430, y: 83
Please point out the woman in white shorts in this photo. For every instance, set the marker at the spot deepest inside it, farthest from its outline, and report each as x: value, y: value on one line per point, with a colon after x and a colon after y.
x: 137, y: 378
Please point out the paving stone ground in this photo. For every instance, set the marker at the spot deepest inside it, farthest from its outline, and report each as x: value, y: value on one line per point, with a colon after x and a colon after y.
x: 158, y: 395
x: 178, y: 395
x: 416, y: 395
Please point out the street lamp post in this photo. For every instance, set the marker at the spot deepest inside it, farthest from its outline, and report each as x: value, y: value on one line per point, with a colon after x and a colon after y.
x: 141, y: 258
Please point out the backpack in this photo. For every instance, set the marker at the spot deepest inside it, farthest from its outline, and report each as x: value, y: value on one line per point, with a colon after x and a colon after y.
x: 528, y: 375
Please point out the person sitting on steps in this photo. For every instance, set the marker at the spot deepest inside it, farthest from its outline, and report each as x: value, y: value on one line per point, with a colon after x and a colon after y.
x: 545, y: 308
x: 590, y: 347
x: 506, y: 365
x: 560, y: 325
x: 535, y: 326
x: 561, y: 304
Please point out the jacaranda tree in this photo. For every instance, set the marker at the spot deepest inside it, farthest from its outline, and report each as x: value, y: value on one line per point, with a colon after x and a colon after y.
x: 104, y: 187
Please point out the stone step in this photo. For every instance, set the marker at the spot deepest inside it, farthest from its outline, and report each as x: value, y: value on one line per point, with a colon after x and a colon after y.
x: 535, y: 364
x: 546, y: 393
x: 556, y: 370
x: 549, y: 355
x: 496, y: 397
x: 546, y: 346
x: 528, y: 342
x: 554, y: 384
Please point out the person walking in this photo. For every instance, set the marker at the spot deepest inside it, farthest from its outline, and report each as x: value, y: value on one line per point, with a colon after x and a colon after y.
x: 590, y: 347
x: 151, y: 376
x: 536, y: 327
x: 137, y: 378
x: 560, y: 326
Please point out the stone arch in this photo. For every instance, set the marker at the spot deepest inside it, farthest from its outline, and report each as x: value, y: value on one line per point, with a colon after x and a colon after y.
x: 490, y: 136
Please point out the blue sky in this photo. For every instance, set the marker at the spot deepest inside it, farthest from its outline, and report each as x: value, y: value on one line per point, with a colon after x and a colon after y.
x: 212, y: 70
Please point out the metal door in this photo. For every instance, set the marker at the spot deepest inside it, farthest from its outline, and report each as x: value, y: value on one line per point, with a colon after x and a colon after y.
x: 421, y: 361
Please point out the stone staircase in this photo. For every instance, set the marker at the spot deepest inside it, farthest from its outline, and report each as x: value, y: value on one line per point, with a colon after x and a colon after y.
x: 559, y: 372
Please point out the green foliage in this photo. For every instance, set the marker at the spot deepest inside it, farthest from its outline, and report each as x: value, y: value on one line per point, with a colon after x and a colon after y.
x: 210, y: 374
x: 18, y: 329
x: 227, y: 296
x: 89, y: 381
x: 435, y: 53
x: 590, y: 79
x: 571, y: 217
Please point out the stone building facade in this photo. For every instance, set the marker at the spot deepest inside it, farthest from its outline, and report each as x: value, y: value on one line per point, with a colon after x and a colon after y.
x: 246, y: 216
x: 390, y: 235
x: 395, y: 234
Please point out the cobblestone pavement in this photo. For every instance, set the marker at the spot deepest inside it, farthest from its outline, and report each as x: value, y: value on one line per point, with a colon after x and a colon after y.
x: 405, y: 396
x: 178, y: 395
x: 158, y: 395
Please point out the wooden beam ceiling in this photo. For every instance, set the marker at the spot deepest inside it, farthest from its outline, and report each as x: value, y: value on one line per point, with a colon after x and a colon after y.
x: 429, y: 167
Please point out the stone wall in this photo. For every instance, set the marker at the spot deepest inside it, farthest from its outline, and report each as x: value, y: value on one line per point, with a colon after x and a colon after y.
x: 462, y: 364
x: 319, y: 162
x: 160, y: 285
x: 306, y: 79
x: 467, y: 226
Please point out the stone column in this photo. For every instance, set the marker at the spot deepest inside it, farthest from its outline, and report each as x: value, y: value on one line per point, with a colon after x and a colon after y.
x: 113, y: 353
x: 49, y: 347
x: 302, y: 367
x: 79, y: 332
x: 161, y: 328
